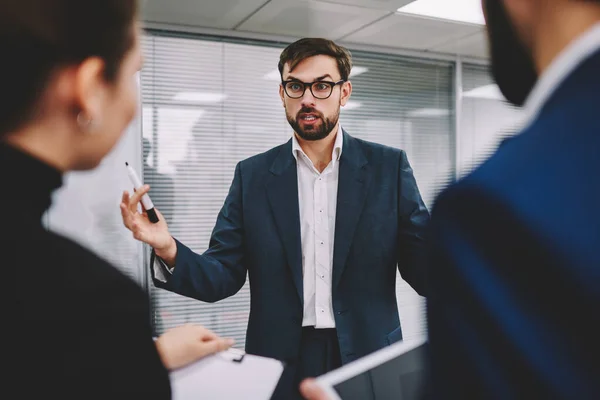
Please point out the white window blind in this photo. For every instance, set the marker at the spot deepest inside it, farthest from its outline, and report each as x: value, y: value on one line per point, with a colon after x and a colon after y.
x: 209, y: 103
x: 486, y: 118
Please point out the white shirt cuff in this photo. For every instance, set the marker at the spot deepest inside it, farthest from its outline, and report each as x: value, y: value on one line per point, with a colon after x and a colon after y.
x: 161, y: 270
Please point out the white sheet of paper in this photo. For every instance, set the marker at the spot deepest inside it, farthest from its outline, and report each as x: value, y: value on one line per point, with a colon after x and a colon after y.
x: 219, y: 377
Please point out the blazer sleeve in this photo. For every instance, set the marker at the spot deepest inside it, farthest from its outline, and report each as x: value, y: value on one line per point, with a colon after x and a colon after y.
x: 220, y: 272
x: 412, y: 225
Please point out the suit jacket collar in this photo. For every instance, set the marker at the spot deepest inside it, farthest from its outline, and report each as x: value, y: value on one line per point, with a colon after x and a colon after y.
x: 337, y: 146
x: 564, y: 65
x: 352, y: 153
x: 353, y: 187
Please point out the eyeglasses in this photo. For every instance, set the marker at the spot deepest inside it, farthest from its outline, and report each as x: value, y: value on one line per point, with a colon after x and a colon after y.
x: 320, y: 89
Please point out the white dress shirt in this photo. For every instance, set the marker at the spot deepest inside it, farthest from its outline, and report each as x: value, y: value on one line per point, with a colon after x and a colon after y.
x: 317, y: 199
x: 560, y: 68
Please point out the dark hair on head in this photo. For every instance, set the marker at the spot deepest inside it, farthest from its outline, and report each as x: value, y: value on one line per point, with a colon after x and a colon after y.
x: 39, y: 36
x: 309, y: 47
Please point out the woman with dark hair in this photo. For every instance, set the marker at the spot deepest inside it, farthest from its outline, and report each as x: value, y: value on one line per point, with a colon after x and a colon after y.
x: 76, y: 327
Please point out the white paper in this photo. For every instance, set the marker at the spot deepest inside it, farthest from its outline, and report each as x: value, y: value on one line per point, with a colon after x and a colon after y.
x: 220, y: 377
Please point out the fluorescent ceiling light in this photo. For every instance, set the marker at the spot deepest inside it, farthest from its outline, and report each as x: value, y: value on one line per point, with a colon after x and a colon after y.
x: 429, y: 112
x: 490, y: 92
x: 468, y: 11
x: 352, y: 105
x: 200, y: 97
x: 275, y: 76
x: 357, y: 71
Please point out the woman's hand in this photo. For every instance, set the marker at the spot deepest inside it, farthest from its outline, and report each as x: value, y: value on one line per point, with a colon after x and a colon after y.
x: 185, y: 344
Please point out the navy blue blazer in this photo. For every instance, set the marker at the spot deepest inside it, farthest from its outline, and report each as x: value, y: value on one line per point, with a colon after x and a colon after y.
x: 380, y: 223
x: 514, y: 300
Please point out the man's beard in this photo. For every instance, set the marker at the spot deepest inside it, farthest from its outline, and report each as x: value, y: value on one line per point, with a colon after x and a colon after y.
x: 314, y: 132
x: 513, y: 68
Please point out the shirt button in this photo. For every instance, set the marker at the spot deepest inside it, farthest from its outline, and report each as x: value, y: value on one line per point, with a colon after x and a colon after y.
x: 323, y: 276
x: 321, y: 242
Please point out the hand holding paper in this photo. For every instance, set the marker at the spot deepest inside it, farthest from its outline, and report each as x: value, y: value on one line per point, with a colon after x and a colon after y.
x: 185, y: 344
x: 227, y: 375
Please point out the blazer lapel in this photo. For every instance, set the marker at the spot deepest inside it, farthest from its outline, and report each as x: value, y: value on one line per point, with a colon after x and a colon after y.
x: 353, y: 187
x: 282, y: 192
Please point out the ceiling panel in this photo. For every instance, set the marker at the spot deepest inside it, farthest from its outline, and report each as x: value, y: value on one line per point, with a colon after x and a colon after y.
x: 223, y: 14
x: 364, y: 22
x: 474, y: 45
x: 309, y: 18
x: 389, y: 5
x: 411, y: 32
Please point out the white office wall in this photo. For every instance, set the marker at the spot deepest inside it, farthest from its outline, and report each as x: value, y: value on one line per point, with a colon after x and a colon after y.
x: 484, y: 124
x: 485, y: 118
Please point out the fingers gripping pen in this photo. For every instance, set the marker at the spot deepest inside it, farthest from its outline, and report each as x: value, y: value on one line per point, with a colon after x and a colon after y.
x: 137, y: 184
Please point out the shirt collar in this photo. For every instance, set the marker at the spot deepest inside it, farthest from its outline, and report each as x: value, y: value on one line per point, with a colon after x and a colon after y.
x: 563, y: 65
x: 337, y: 146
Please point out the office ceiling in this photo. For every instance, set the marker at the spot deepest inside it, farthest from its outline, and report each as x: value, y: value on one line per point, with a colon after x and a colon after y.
x: 362, y: 22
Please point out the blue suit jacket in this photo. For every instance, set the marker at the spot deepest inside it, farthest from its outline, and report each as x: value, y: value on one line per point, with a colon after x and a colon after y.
x: 380, y: 222
x: 514, y: 305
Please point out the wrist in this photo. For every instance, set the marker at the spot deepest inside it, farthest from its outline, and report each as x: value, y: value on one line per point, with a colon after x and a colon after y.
x: 168, y: 253
x: 162, y: 353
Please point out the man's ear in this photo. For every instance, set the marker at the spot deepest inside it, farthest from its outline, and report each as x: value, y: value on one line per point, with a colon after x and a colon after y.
x: 346, y: 93
x: 89, y: 87
x: 282, y: 95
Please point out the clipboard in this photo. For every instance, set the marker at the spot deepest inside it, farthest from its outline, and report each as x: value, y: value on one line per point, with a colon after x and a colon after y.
x: 396, y: 372
x: 229, y: 375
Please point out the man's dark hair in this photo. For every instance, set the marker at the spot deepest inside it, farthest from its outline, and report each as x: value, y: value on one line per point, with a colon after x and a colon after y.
x: 309, y: 47
x: 39, y: 36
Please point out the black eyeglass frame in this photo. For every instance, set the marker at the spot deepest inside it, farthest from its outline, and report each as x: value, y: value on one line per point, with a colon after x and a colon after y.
x: 310, y: 85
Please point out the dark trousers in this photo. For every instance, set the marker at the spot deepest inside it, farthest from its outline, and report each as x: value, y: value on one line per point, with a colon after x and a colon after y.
x: 319, y: 353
